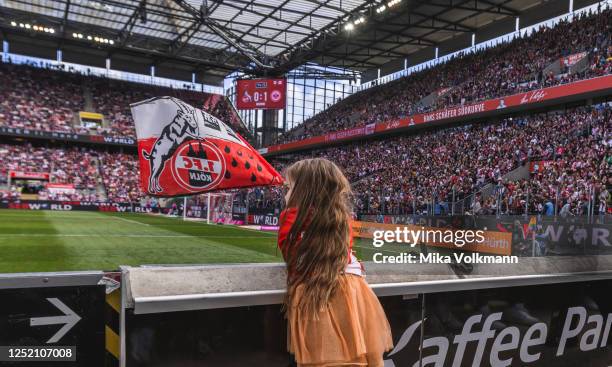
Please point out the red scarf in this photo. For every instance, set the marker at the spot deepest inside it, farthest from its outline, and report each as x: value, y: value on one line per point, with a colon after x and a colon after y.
x: 287, y: 219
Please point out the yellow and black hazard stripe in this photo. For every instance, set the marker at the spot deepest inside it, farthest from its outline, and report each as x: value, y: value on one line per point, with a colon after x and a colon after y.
x: 112, y: 328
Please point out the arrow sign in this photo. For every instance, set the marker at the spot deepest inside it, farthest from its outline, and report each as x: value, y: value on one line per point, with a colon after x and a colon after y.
x: 69, y: 319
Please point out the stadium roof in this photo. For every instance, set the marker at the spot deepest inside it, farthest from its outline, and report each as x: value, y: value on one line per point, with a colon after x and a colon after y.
x: 263, y: 36
x: 271, y: 26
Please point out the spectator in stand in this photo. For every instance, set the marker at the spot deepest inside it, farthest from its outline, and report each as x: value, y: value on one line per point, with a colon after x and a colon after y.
x: 39, y: 99
x: 506, y: 69
x: 409, y: 174
x: 120, y: 174
x: 48, y: 99
x: 71, y: 166
x: 422, y: 173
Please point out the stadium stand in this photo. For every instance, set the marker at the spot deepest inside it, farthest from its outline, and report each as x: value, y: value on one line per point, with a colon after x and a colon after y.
x: 480, y: 131
x: 95, y: 176
x: 403, y: 174
x: 110, y: 95
x: 419, y: 173
x: 408, y: 173
x: 121, y: 181
x: 77, y: 168
x: 49, y: 98
x: 39, y: 99
x: 508, y: 68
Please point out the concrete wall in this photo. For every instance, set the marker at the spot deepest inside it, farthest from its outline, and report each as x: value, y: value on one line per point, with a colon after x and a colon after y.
x: 93, y: 57
x: 455, y: 44
x: 392, y: 66
x: 496, y: 29
x: 31, y: 47
x: 547, y: 10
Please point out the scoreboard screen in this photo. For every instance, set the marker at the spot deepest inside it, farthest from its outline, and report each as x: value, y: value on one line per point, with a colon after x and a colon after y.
x: 261, y: 94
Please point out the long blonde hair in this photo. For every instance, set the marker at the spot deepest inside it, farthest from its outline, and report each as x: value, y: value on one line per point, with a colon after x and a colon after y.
x: 321, y: 193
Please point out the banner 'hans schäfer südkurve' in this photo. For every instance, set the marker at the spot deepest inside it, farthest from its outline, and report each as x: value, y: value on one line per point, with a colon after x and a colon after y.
x: 184, y: 150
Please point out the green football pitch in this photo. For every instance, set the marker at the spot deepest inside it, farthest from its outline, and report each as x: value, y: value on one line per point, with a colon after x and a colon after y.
x: 32, y: 241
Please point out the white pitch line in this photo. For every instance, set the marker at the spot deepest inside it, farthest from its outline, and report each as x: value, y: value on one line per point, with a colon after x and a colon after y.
x: 267, y: 233
x: 131, y: 221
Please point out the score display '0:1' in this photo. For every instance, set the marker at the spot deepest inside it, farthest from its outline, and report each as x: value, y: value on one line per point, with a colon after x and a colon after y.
x: 261, y: 93
x: 260, y: 96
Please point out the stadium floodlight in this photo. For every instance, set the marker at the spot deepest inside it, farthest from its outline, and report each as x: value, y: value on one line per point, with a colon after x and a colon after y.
x: 14, y: 24
x: 349, y: 27
x: 393, y: 2
x: 35, y: 27
x: 381, y: 8
x: 74, y: 35
x: 51, y: 30
x: 80, y: 35
x: 21, y: 25
x: 89, y: 38
x: 360, y: 21
x: 28, y: 26
x: 111, y: 42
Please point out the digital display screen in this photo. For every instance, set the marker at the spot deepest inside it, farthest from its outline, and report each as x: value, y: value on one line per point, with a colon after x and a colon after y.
x: 261, y: 94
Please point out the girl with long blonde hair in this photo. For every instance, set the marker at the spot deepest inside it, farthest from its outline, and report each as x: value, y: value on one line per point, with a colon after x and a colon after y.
x: 334, y: 318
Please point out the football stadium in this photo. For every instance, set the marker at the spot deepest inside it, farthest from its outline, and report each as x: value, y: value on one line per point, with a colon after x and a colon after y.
x: 182, y: 180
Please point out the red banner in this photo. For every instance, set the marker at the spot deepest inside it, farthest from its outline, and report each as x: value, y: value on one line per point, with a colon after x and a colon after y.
x: 347, y: 134
x: 261, y: 94
x: 29, y: 175
x: 571, y: 60
x: 60, y: 186
x: 183, y: 151
x: 472, y: 110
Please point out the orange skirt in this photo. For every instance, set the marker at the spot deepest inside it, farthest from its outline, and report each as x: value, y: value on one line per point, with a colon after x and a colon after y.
x: 352, y: 331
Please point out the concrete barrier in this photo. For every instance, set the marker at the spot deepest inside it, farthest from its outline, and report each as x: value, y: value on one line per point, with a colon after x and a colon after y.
x: 169, y: 289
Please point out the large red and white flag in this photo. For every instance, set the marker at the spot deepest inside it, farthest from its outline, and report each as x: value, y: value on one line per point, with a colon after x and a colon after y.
x: 184, y: 150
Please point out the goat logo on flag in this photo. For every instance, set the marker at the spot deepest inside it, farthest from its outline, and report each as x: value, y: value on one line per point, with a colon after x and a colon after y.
x: 184, y: 150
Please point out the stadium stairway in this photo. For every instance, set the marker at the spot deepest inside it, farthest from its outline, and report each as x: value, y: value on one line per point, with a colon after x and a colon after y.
x: 100, y: 188
x: 353, y: 183
x: 429, y: 100
x: 487, y: 190
x: 555, y: 67
x: 88, y: 96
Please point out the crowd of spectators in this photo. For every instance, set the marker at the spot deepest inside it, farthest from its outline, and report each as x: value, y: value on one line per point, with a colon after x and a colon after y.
x: 121, y: 175
x: 93, y: 175
x: 508, y: 68
x: 572, y: 182
x: 420, y: 173
x: 70, y: 166
x: 39, y: 99
x: 268, y: 199
x: 569, y: 153
x: 112, y: 98
x: 426, y: 172
x: 49, y: 98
